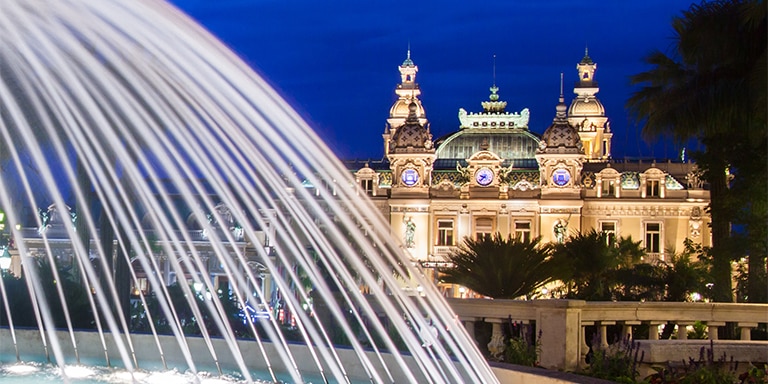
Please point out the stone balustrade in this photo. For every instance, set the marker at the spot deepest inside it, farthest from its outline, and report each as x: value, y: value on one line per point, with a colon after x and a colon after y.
x: 562, y: 323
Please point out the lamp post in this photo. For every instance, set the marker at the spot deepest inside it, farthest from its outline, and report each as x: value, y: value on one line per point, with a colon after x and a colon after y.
x: 6, y: 244
x: 5, y: 257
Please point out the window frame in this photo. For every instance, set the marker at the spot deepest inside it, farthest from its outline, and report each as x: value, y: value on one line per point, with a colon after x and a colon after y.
x: 477, y: 227
x: 525, y: 234
x: 659, y: 237
x: 441, y: 235
x: 613, y: 235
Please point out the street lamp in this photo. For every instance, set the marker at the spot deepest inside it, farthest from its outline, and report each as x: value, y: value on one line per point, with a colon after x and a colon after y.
x: 5, y: 258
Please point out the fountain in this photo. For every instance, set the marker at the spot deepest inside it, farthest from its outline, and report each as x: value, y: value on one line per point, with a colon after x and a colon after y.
x: 148, y: 168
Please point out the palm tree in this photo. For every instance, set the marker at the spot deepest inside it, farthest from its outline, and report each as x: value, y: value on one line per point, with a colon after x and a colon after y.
x: 590, y: 265
x: 712, y: 89
x: 501, y: 268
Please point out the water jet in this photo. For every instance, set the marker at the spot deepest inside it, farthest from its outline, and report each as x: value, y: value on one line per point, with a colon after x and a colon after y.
x: 148, y: 168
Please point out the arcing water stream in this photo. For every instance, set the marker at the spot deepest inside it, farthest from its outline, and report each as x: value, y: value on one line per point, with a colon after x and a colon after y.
x: 141, y: 126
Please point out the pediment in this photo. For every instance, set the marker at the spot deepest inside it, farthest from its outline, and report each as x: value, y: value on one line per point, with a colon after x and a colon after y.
x: 485, y: 157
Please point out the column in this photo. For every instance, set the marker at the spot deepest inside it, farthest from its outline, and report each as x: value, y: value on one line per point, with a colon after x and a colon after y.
x: 561, y: 333
x: 496, y: 345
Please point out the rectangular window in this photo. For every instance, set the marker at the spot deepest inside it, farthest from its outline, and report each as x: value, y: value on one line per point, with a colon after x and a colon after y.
x: 523, y: 230
x: 608, y: 188
x: 609, y: 229
x: 367, y: 186
x: 445, y: 232
x: 652, y: 188
x: 483, y: 228
x: 653, y: 237
x: 141, y: 285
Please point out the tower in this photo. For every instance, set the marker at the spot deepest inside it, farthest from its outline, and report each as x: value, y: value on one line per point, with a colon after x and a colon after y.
x: 411, y: 155
x: 407, y: 92
x: 587, y: 113
x: 560, y: 156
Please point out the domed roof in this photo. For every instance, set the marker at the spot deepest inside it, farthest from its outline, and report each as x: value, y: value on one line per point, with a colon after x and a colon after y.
x: 588, y: 106
x: 560, y: 137
x: 507, y: 144
x: 494, y: 129
x: 412, y: 136
x: 401, y: 108
x: 561, y: 134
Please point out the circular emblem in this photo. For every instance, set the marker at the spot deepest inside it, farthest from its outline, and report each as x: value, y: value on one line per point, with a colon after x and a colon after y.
x: 561, y: 177
x: 484, y: 176
x: 409, y: 177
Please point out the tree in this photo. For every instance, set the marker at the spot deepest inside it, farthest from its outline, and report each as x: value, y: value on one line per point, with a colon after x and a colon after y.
x: 711, y: 89
x: 590, y: 264
x: 502, y: 268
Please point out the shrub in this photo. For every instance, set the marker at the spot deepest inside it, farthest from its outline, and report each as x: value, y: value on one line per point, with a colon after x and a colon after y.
x: 755, y: 375
x: 698, y: 332
x: 705, y: 370
x: 522, y: 351
x: 618, y: 362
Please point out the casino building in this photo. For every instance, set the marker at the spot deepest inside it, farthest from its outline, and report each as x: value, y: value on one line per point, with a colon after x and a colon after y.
x: 497, y: 174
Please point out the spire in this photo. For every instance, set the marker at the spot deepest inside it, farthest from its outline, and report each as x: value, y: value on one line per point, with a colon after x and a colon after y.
x: 494, y: 89
x: 586, y: 59
x: 494, y: 69
x: 408, y: 62
x: 561, y: 107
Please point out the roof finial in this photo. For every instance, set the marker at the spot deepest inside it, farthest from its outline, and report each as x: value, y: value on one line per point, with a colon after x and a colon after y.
x: 586, y: 59
x: 408, y: 62
x: 494, y: 69
x: 409, y: 49
x: 561, y: 107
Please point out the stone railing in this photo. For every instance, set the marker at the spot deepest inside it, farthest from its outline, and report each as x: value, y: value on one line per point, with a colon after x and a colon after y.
x: 562, y: 323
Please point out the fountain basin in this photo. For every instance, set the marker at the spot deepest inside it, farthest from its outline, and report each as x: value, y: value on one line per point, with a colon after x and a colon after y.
x: 91, y: 352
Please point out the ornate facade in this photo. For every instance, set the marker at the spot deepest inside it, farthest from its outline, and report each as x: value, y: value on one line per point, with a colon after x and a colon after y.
x: 495, y: 174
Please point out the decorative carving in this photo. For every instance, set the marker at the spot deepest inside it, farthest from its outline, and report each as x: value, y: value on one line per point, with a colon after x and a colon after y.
x: 561, y: 229
x: 49, y: 216
x: 560, y: 210
x: 444, y: 185
x: 523, y: 185
x: 507, y: 119
x: 630, y: 180
x: 671, y: 184
x: 463, y: 176
x: 694, y: 179
x: 410, y: 233
x: 695, y: 228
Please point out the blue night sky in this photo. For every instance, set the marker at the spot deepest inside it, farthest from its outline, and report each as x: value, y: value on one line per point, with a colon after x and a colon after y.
x: 336, y: 61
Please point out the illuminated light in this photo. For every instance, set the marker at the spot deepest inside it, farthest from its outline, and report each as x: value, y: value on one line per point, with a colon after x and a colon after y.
x: 544, y: 291
x: 695, y: 296
x: 197, y: 286
x: 5, y: 258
